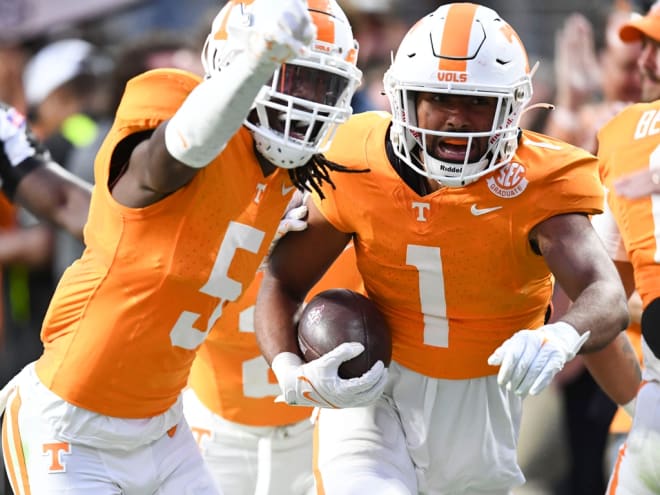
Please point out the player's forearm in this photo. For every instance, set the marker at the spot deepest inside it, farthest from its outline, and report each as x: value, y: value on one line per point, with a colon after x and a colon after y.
x: 616, y: 369
x: 601, y: 308
x: 273, y: 320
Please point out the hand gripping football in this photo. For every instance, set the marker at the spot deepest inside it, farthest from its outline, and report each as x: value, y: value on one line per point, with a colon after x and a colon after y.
x: 341, y: 315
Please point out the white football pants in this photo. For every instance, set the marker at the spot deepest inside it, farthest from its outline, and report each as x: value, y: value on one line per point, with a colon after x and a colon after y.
x: 426, y: 436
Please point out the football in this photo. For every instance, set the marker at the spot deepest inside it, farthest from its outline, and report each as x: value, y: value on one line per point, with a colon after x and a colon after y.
x: 341, y: 315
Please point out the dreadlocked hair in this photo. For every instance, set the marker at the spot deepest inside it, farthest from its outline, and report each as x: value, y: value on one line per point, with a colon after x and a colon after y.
x: 311, y: 176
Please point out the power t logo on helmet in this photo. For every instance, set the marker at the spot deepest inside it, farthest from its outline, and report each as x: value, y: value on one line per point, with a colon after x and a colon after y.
x: 460, y: 49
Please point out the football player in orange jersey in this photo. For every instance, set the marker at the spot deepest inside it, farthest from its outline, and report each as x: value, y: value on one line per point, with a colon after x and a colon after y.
x: 628, y: 146
x: 190, y: 185
x: 252, y: 444
x: 32, y: 179
x: 458, y: 229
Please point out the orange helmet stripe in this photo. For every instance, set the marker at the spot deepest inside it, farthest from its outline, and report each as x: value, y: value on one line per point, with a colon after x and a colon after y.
x: 456, y: 37
x: 323, y: 18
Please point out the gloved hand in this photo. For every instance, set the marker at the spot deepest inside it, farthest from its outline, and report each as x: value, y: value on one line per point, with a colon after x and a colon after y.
x: 318, y: 384
x: 277, y: 31
x: 295, y: 218
x: 531, y: 358
x: 17, y: 143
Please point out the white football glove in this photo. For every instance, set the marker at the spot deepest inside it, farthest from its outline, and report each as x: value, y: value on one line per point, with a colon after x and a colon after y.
x: 277, y: 30
x: 16, y: 141
x: 318, y: 384
x: 295, y: 218
x: 530, y: 359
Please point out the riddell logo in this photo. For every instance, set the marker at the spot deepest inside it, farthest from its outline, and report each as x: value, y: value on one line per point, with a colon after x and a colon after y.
x: 509, y: 181
x: 452, y: 76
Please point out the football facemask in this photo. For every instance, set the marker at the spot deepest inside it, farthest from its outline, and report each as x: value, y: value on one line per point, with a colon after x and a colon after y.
x: 459, y: 49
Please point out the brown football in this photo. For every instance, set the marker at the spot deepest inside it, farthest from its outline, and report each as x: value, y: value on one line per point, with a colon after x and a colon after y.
x: 342, y: 315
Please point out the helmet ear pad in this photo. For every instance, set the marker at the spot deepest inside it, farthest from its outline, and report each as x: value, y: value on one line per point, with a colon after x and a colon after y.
x: 491, y: 62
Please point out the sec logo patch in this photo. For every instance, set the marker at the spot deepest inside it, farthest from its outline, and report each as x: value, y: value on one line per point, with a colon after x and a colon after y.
x: 509, y: 181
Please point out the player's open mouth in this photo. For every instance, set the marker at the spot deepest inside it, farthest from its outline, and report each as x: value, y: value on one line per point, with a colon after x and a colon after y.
x: 451, y: 149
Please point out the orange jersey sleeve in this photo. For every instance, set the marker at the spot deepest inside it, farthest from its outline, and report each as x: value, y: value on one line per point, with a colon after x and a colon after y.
x: 124, y: 323
x: 229, y: 374
x: 453, y: 271
x: 628, y: 143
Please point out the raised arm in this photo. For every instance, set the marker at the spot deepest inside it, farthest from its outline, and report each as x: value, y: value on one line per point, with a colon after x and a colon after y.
x: 214, y: 110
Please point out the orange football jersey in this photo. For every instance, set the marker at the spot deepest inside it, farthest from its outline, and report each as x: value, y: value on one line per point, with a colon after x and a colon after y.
x: 126, y: 319
x: 230, y: 376
x: 453, y: 271
x: 628, y: 143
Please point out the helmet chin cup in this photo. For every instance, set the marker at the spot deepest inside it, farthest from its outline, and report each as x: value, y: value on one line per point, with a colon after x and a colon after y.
x: 281, y: 156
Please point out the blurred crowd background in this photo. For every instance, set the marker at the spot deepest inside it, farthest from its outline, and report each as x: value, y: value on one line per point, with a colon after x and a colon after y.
x: 64, y: 64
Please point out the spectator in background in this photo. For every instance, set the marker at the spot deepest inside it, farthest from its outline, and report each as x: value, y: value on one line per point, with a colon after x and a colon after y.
x: 379, y: 26
x: 592, y: 86
x: 61, y: 90
x: 13, y: 57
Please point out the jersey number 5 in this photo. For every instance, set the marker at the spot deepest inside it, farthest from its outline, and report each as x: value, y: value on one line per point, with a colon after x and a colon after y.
x: 218, y: 285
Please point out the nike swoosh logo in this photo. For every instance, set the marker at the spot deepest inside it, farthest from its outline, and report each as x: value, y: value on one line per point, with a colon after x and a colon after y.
x: 308, y: 395
x: 287, y: 190
x: 482, y: 211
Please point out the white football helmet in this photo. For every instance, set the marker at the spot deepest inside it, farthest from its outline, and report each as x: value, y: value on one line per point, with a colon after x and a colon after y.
x: 296, y: 114
x: 459, y: 49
